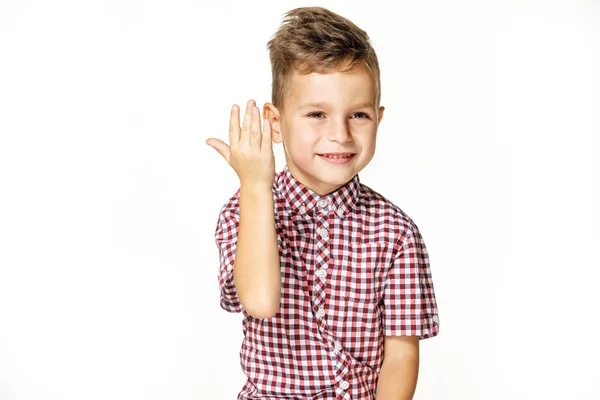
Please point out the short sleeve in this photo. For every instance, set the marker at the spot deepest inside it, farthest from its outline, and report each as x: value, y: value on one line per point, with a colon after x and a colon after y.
x: 410, y: 307
x: 226, y: 240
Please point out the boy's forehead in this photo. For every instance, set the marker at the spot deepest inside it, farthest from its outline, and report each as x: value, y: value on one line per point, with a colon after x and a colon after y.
x: 355, y: 86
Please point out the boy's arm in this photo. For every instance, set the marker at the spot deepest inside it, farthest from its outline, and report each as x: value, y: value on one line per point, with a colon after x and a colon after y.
x: 256, y: 271
x: 400, y: 368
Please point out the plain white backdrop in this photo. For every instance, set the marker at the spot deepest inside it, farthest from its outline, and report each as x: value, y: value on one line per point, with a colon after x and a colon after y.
x: 110, y: 196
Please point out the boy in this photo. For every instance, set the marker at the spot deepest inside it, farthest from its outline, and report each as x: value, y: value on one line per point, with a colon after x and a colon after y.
x: 332, y: 278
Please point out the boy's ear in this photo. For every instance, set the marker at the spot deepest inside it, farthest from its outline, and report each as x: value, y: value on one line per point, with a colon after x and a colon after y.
x: 271, y: 113
x: 381, y: 110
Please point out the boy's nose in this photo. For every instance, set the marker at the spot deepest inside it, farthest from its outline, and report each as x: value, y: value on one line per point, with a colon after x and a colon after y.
x: 340, y: 132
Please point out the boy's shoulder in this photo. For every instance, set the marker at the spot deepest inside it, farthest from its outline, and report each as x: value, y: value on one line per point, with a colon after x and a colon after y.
x: 380, y: 206
x: 386, y: 216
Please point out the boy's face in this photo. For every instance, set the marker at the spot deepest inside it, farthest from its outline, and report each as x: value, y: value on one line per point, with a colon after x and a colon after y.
x: 345, y: 120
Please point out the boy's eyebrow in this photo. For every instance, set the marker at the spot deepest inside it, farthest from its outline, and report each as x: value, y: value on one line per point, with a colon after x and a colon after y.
x: 326, y: 105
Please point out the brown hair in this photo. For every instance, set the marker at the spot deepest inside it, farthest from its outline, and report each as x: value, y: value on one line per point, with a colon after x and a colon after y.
x: 315, y: 39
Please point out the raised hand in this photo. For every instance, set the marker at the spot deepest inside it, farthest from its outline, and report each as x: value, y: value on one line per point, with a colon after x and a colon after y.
x: 250, y: 152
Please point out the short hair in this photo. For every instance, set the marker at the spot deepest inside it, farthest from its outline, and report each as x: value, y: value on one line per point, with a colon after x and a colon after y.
x: 315, y: 39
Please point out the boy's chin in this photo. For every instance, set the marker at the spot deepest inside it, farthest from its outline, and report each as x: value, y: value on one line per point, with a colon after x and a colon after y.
x: 336, y: 172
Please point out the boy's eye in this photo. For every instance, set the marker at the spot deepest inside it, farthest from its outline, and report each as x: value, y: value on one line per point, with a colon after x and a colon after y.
x: 362, y: 114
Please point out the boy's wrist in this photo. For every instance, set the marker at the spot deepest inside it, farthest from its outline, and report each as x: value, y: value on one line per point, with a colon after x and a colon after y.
x: 255, y: 185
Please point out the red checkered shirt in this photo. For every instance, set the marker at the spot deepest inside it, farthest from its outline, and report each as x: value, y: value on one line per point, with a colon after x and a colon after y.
x: 354, y: 267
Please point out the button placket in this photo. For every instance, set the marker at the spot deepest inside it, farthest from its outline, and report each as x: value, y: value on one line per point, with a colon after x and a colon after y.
x: 321, y: 257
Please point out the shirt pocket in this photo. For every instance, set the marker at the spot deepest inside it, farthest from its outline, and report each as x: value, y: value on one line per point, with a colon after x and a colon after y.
x: 362, y: 278
x: 361, y: 285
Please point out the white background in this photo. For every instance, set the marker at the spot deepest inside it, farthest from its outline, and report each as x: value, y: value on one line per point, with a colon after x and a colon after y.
x: 110, y: 196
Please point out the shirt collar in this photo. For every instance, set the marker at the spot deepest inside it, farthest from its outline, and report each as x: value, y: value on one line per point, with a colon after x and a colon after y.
x: 302, y: 199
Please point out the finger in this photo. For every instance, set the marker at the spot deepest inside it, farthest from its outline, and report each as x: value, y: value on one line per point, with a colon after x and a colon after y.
x: 255, y: 127
x: 247, y: 121
x: 266, y: 135
x: 234, y: 125
x: 221, y: 147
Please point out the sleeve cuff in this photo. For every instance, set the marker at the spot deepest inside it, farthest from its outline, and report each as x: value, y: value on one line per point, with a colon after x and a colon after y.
x: 424, y: 327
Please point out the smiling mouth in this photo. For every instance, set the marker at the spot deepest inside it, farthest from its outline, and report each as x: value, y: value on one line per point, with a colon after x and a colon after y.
x: 337, y: 159
x: 337, y: 155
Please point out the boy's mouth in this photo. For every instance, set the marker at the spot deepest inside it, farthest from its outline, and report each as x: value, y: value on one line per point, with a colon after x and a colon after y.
x: 337, y: 158
x: 337, y: 155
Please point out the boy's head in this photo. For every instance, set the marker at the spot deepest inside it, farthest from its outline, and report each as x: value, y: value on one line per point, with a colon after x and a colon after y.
x: 318, y: 56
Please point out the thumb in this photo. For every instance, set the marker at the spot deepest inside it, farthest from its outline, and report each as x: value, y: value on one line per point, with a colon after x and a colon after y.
x: 220, y: 147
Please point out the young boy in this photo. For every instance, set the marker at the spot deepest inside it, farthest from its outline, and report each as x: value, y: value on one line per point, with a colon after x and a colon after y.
x: 332, y: 278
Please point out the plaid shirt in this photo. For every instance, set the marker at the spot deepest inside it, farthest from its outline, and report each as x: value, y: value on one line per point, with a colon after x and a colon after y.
x: 354, y: 267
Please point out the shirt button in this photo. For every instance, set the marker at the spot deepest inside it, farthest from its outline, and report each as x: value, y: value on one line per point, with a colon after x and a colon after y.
x: 321, y: 273
x: 322, y: 232
x: 340, y: 212
x: 436, y: 319
x: 229, y: 267
x: 344, y: 385
x: 321, y: 312
x: 338, y: 346
x: 323, y: 203
x: 302, y: 209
